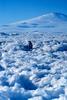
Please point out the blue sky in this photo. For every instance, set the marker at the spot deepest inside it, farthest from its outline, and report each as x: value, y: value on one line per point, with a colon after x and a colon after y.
x: 15, y: 10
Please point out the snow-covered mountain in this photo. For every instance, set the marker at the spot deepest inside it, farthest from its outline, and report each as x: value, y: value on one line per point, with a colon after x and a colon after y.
x: 51, y: 22
x: 47, y: 18
x: 39, y: 73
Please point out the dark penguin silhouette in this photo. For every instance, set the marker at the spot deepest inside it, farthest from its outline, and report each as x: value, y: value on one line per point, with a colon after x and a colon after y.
x: 28, y: 47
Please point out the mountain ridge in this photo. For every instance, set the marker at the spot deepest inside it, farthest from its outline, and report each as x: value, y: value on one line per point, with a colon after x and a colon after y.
x: 49, y: 16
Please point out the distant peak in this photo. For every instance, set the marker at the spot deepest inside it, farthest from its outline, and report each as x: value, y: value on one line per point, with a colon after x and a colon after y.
x: 58, y: 15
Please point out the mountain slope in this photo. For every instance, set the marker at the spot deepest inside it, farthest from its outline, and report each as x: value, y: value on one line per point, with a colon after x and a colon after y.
x: 51, y: 22
x: 45, y: 18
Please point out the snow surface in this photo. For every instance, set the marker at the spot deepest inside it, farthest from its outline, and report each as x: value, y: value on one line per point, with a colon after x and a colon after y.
x: 39, y: 74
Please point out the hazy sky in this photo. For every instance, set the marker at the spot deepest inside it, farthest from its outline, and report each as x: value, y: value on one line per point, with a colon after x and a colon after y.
x: 15, y: 10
